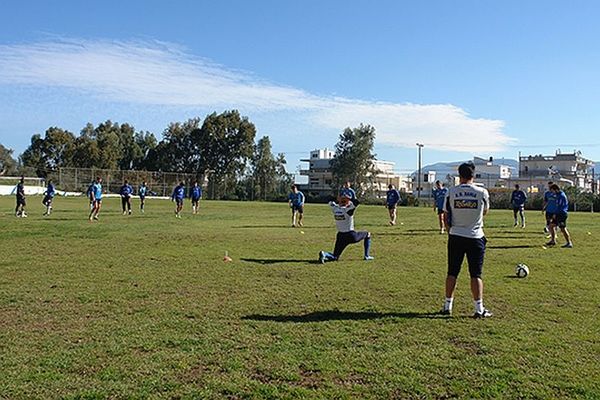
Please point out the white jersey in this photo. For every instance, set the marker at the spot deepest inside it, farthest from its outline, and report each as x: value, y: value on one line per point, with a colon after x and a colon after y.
x: 465, y: 205
x: 344, y: 216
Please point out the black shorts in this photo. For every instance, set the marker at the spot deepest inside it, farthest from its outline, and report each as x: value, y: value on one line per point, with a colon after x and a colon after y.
x: 518, y: 208
x: 21, y: 201
x: 299, y: 208
x: 474, y: 249
x: 47, y: 200
x: 343, y: 239
x: 195, y: 201
x: 391, y: 206
x: 560, y: 219
x: 179, y: 202
x: 549, y: 217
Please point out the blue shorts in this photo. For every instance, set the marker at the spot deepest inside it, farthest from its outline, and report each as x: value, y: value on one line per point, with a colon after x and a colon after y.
x: 549, y: 217
x: 343, y: 239
x: 474, y: 249
x: 299, y: 208
x: 560, y: 219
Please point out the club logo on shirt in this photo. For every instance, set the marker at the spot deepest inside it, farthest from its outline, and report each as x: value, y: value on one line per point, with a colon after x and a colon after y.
x: 465, y: 203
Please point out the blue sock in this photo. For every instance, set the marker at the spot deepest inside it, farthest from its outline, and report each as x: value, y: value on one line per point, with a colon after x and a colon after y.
x: 367, y: 246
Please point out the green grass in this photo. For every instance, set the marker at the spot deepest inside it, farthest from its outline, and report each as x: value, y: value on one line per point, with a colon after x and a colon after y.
x: 144, y: 307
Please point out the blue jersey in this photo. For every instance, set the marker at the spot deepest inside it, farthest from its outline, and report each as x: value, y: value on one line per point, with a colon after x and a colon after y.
x: 50, y: 191
x: 562, y: 202
x: 439, y: 196
x: 143, y: 190
x: 97, y: 191
x: 297, y: 198
x: 550, y: 198
x: 518, y: 198
x: 178, y: 193
x: 196, y: 193
x: 392, y: 197
x: 348, y: 192
x: 126, y: 190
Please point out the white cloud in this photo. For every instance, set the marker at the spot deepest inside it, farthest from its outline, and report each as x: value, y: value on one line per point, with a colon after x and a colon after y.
x: 162, y: 74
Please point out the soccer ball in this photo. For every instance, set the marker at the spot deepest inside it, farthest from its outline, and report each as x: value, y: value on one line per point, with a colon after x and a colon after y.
x: 521, y: 270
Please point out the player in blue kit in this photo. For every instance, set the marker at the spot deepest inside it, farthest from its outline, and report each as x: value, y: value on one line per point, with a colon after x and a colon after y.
x: 560, y: 217
x: 143, y: 192
x: 347, y: 191
x: 549, y: 206
x: 392, y: 198
x: 296, y: 203
x: 178, y: 196
x: 126, y: 191
x: 48, y: 197
x: 517, y: 200
x: 195, y: 196
x: 439, y: 196
x: 96, y: 198
x: 343, y: 214
x: 464, y: 208
x: 21, y: 202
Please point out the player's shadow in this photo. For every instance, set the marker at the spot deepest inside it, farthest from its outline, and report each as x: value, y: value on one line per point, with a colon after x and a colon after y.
x: 514, y: 246
x: 269, y: 261
x: 336, y: 315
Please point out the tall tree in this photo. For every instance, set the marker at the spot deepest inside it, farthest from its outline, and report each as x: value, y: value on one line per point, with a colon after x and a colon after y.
x: 354, y: 158
x: 8, y: 165
x: 264, y: 169
x: 225, y: 144
x: 58, y: 148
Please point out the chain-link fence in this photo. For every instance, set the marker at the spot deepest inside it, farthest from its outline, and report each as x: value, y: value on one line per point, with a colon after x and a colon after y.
x: 79, y: 179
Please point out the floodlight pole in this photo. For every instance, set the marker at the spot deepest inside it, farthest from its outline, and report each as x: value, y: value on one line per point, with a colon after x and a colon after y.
x: 420, y: 146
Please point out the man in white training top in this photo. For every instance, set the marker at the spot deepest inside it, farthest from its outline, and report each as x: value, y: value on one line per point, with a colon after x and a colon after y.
x: 343, y: 213
x: 464, y: 208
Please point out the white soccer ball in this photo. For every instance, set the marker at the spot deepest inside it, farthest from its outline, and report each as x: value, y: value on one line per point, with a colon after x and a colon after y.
x: 521, y: 270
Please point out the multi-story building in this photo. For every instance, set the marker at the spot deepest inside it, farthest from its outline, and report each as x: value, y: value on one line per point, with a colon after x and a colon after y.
x: 320, y: 178
x: 566, y: 168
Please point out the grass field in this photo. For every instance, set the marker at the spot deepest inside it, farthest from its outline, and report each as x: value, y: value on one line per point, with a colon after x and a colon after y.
x: 144, y: 307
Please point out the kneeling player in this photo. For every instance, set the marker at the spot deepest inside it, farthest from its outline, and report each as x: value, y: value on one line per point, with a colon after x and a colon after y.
x: 344, y: 220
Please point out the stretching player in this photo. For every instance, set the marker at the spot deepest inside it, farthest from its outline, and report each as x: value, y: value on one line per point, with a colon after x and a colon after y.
x: 178, y: 196
x: 517, y: 200
x: 48, y: 197
x: 392, y: 199
x: 96, y: 199
x: 343, y: 214
x: 464, y: 208
x: 296, y: 203
x: 439, y: 196
x: 126, y: 191
x: 195, y: 196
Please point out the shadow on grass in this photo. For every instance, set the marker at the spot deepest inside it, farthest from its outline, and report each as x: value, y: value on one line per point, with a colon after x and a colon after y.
x: 515, y: 246
x: 266, y: 261
x: 336, y: 315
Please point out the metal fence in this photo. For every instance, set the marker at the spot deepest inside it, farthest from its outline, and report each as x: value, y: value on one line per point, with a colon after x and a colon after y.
x: 79, y: 179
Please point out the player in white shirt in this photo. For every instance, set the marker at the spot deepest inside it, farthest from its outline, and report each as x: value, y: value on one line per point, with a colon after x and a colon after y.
x: 464, y: 208
x: 343, y: 214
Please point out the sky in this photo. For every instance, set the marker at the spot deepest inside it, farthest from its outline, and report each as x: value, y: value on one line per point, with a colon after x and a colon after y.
x: 464, y: 78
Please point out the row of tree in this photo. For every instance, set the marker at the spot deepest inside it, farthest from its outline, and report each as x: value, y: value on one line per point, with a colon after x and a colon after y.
x: 221, y: 148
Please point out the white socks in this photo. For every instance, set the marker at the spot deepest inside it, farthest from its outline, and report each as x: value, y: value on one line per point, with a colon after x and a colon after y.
x: 478, y: 306
x: 448, y: 304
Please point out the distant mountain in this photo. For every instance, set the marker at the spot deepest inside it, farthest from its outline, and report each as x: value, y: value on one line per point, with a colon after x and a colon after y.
x: 449, y: 168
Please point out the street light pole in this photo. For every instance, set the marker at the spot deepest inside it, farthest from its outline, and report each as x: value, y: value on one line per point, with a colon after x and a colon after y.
x: 420, y: 146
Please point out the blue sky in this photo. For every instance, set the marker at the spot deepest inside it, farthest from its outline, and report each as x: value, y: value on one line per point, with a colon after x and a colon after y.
x: 464, y: 77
